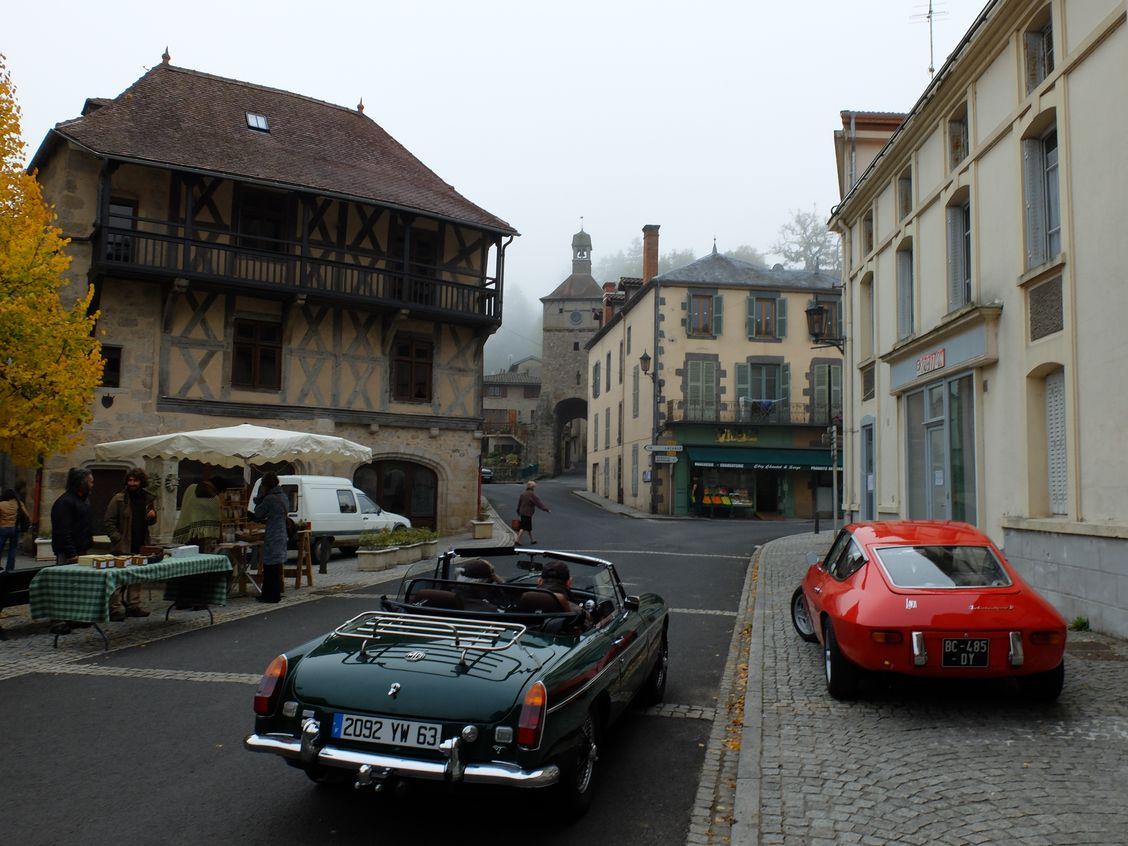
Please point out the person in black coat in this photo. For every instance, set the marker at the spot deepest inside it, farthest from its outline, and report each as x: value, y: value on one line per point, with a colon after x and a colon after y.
x: 72, y: 532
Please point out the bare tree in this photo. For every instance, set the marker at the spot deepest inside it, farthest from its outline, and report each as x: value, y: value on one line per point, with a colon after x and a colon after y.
x: 749, y: 254
x: 805, y: 241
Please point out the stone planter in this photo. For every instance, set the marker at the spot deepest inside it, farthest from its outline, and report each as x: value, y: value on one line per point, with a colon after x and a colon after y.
x: 371, y: 560
x: 482, y: 529
x: 43, y: 550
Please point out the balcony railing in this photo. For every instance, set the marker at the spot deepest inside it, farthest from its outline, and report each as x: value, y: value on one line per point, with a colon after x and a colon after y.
x: 163, y: 248
x: 752, y: 413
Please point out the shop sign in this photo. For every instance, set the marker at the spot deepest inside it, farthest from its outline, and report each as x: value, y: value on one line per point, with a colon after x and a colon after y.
x: 663, y: 447
x: 930, y: 362
x: 665, y: 459
x: 728, y: 436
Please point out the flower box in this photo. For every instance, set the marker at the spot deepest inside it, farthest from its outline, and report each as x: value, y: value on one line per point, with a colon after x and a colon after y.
x: 481, y: 529
x: 371, y: 560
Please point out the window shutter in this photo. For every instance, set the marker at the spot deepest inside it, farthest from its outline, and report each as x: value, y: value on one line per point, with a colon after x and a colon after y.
x: 634, y: 391
x: 781, y: 317
x: 1035, y: 60
x: 1055, y: 443
x: 956, y: 258
x: 689, y: 313
x: 785, y: 384
x: 835, y: 387
x: 904, y: 293
x: 743, y: 382
x: 693, y: 389
x: 820, y: 389
x: 1034, y: 195
x: 750, y: 317
x: 718, y: 315
x: 595, y: 432
x: 709, y: 389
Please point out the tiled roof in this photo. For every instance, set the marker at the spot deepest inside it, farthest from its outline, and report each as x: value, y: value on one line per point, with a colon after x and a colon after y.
x: 719, y: 269
x: 511, y: 379
x: 182, y: 118
x: 578, y: 286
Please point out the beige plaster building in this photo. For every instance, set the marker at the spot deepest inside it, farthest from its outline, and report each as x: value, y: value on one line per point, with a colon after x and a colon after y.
x: 714, y: 359
x: 985, y: 299
x: 259, y: 255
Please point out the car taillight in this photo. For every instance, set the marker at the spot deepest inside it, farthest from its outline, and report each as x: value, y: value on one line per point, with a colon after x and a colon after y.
x: 270, y: 686
x: 886, y: 636
x: 1047, y: 638
x: 531, y: 724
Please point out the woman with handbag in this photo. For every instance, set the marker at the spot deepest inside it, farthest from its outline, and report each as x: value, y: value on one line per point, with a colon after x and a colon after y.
x: 14, y: 520
x: 527, y: 504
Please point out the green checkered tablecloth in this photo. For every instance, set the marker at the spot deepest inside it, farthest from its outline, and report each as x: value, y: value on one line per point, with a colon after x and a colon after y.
x: 82, y: 594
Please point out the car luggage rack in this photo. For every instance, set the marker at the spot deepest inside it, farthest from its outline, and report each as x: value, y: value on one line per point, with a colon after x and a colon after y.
x: 461, y: 634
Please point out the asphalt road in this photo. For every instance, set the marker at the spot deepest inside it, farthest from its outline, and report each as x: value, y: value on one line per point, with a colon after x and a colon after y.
x: 144, y: 745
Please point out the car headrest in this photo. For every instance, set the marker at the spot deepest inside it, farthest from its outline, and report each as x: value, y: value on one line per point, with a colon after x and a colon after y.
x: 534, y: 601
x: 437, y: 599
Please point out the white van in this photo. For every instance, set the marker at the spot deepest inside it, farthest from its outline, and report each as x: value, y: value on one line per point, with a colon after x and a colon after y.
x: 336, y: 511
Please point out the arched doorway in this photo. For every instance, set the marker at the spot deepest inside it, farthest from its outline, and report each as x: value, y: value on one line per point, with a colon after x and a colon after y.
x: 402, y: 487
x: 569, y: 436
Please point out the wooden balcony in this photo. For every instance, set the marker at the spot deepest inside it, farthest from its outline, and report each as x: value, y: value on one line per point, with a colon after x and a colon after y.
x: 752, y: 413
x: 163, y: 250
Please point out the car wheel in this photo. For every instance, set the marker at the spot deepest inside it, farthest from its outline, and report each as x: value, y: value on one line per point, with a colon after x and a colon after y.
x: 654, y: 689
x: 800, y: 618
x: 1043, y: 687
x: 398, y: 526
x: 577, y: 776
x: 841, y: 675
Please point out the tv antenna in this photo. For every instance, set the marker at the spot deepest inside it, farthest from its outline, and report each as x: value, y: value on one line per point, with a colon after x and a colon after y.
x: 930, y: 15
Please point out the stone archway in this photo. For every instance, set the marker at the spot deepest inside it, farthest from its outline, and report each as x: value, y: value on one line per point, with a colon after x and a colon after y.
x: 569, y: 435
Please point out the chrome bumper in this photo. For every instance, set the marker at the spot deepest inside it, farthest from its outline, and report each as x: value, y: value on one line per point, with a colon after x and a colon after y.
x: 450, y: 768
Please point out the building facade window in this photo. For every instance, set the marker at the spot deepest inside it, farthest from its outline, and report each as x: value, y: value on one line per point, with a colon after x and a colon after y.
x: 1056, y: 458
x: 957, y: 136
x: 595, y: 380
x: 864, y: 324
x: 701, y: 390
x: 905, y: 309
x: 532, y: 391
x: 905, y: 192
x: 704, y: 315
x: 495, y: 390
x: 634, y: 470
x: 940, y: 451
x: 867, y: 233
x: 256, y: 355
x: 1038, y: 44
x: 757, y: 383
x: 767, y: 317
x: 609, y: 370
x: 412, y: 363
x: 1042, y: 198
x: 111, y: 367
x: 607, y: 428
x: 262, y: 220
x: 122, y: 218
x: 619, y: 435
x: 959, y: 255
x: 595, y: 432
x: 826, y: 388
x: 634, y: 390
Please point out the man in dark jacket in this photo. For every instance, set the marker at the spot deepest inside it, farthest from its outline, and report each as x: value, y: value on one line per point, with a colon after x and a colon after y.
x: 71, y: 531
x: 128, y: 517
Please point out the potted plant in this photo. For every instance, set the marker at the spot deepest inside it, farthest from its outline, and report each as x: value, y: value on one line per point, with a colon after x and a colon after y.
x: 386, y: 548
x: 483, y: 526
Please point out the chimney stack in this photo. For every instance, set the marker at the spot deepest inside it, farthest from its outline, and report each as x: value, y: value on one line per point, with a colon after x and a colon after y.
x: 649, y: 252
x: 608, y: 311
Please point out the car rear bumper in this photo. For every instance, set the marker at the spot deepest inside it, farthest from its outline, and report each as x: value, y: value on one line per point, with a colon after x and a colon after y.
x: 449, y: 768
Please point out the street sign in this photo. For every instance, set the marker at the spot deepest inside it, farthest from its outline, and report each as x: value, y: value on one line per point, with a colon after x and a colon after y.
x: 663, y: 447
x: 665, y: 459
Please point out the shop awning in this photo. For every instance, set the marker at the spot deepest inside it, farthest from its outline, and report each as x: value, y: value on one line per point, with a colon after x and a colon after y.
x: 753, y: 458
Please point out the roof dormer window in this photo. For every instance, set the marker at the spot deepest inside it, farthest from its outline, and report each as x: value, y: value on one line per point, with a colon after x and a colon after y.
x: 257, y: 122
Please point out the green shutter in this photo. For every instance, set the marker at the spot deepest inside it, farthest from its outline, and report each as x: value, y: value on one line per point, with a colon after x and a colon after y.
x: 785, y: 384
x: 689, y: 313
x: 750, y: 318
x: 718, y: 315
x: 709, y: 389
x: 781, y: 318
x: 743, y: 381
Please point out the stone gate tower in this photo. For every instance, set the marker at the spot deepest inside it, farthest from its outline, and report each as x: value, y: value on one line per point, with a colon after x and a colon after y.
x: 572, y: 315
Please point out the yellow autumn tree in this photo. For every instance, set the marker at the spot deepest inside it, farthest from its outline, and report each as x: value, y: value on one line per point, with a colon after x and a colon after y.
x: 50, y: 361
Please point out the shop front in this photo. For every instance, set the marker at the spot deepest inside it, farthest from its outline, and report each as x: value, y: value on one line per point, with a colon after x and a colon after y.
x: 756, y: 482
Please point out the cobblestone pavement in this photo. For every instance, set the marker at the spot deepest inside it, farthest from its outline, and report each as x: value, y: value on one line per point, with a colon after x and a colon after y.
x: 917, y: 762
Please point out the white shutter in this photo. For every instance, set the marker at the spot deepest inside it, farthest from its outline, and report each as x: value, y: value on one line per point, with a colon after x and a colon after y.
x: 1055, y: 443
x: 1034, y: 197
x: 904, y: 293
x: 957, y: 270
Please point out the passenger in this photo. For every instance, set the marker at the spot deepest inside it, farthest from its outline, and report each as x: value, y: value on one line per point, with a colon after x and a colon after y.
x: 479, y: 571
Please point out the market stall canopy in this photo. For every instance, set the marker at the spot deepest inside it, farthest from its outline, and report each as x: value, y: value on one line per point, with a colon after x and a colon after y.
x: 236, y: 446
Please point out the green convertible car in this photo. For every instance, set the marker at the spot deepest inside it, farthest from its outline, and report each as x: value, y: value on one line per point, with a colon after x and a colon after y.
x: 490, y: 666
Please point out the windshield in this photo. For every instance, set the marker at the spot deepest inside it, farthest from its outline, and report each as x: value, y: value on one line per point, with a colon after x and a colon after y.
x: 942, y: 566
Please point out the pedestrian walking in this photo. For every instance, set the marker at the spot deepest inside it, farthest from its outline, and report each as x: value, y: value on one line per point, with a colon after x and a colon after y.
x: 14, y: 520
x: 527, y: 504
x: 128, y: 517
x: 271, y: 508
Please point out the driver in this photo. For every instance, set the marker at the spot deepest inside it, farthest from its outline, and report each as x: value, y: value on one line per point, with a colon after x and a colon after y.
x: 556, y: 577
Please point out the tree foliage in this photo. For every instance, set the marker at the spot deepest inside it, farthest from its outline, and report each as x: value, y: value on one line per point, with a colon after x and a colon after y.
x: 628, y: 262
x: 806, y: 242
x: 50, y: 361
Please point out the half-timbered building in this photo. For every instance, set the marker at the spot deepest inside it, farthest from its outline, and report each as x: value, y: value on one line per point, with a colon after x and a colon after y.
x: 260, y: 255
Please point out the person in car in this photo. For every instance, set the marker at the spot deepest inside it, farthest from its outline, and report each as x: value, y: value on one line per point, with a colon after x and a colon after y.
x: 479, y: 571
x: 556, y: 577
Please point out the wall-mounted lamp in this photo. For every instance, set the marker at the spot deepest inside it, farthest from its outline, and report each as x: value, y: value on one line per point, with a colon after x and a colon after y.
x: 644, y: 363
x: 818, y: 319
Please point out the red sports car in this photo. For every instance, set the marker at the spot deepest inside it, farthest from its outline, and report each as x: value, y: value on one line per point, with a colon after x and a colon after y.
x: 927, y: 599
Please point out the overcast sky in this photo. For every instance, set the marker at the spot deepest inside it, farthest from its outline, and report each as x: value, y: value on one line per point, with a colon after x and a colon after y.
x: 711, y: 118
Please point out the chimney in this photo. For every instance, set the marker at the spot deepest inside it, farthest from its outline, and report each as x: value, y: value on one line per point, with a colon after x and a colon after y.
x: 649, y: 252
x: 608, y: 311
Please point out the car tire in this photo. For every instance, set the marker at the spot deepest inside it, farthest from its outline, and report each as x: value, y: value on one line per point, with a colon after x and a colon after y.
x: 800, y: 618
x: 577, y: 775
x: 841, y: 676
x: 654, y: 689
x: 1043, y: 687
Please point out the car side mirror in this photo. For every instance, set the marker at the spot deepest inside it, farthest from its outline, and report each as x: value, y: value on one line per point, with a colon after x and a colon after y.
x: 632, y: 603
x: 813, y: 559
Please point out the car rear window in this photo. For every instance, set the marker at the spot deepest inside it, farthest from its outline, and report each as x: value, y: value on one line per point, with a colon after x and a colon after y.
x: 942, y: 566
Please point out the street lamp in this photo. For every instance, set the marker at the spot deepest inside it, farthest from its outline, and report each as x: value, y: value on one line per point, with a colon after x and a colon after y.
x: 818, y: 318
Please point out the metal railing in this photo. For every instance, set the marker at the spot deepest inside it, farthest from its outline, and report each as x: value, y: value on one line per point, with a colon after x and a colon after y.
x: 752, y: 413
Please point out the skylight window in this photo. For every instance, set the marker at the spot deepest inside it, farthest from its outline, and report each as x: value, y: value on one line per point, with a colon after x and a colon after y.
x: 257, y: 122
